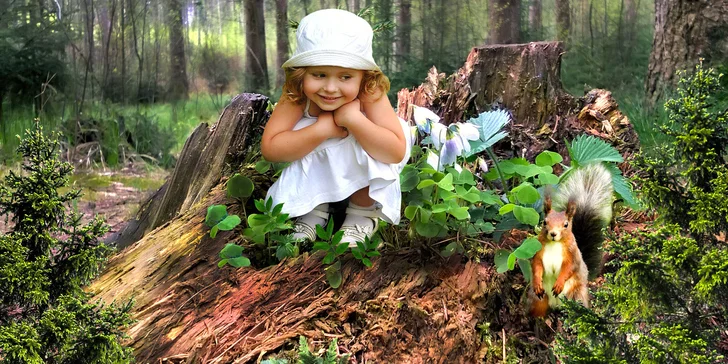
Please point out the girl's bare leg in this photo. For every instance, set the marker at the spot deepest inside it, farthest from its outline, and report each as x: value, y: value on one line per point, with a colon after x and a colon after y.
x: 361, y: 198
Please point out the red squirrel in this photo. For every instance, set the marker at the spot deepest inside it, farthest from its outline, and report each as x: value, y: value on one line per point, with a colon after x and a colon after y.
x: 571, y: 239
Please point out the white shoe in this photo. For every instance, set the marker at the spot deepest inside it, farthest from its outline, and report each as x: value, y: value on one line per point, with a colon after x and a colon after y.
x: 304, y: 229
x: 359, y: 224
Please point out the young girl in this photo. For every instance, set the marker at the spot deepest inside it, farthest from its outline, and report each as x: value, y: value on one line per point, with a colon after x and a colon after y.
x: 336, y: 125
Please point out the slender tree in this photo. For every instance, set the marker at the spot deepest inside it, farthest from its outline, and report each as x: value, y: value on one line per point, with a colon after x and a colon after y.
x: 535, y: 19
x: 404, y: 26
x: 504, y: 18
x: 281, y: 39
x: 256, y: 64
x: 563, y: 19
x: 684, y: 32
x: 178, y: 85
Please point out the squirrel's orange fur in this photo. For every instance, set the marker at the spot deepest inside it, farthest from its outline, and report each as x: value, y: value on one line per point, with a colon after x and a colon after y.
x: 558, y: 268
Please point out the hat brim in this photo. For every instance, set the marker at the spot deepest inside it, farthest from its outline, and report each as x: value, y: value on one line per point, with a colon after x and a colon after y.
x: 322, y: 57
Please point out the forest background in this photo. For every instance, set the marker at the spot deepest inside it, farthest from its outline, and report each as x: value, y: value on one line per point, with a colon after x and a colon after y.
x: 128, y: 79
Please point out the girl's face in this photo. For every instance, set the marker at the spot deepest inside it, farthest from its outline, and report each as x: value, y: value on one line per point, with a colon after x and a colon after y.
x: 330, y: 87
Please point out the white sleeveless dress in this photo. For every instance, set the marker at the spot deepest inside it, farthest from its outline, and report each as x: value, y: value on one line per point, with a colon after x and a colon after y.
x: 333, y: 171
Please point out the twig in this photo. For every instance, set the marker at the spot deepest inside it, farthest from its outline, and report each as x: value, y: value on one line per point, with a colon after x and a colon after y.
x: 503, y: 333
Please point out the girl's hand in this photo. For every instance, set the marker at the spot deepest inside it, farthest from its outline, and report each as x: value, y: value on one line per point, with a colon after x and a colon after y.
x: 344, y: 115
x: 327, y: 127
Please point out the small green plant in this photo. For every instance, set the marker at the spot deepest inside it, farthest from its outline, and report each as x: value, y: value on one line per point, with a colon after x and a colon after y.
x: 330, y: 356
x: 331, y: 244
x: 233, y: 254
x: 267, y: 228
x: 218, y: 219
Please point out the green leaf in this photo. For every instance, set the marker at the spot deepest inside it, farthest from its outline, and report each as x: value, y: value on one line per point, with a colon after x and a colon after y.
x: 410, y: 212
x: 367, y: 262
x: 490, y: 124
x: 511, y: 261
x: 440, y: 207
x: 526, y: 193
x: 322, y: 233
x: 586, y: 149
x: 446, y: 183
x: 466, y: 178
x: 329, y: 258
x: 409, y: 178
x: 229, y: 223
x: 333, y: 275
x: 460, y: 213
x: 548, y: 179
x: 623, y: 188
x: 425, y: 215
x: 231, y: 250
x: 222, y: 263
x: 262, y: 166
x: 425, y: 183
x: 528, y: 249
x: 548, y: 158
x: 321, y: 245
x: 526, y: 215
x: 215, y: 214
x: 525, y: 266
x: 428, y: 230
x: 257, y: 220
x: 239, y: 262
x: 341, y: 248
x: 449, y: 249
x: 490, y: 198
x: 501, y: 260
x: 285, y: 251
x: 277, y: 210
x: 356, y: 253
x: 269, y: 204
x: 506, y: 208
x: 259, y: 205
x: 213, y: 231
x: 240, y: 186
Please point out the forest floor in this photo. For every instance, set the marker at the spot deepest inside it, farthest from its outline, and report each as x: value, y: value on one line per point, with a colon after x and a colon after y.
x: 113, y: 194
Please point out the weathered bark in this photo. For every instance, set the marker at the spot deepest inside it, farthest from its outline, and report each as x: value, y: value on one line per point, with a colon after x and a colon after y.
x: 563, y: 20
x: 281, y: 40
x: 523, y: 78
x: 504, y: 17
x: 256, y: 61
x: 178, y: 87
x: 203, y: 161
x: 685, y: 31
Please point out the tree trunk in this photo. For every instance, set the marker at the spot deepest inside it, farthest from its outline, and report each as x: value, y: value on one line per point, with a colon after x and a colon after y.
x: 535, y: 20
x: 178, y: 87
x: 403, y: 32
x: 504, y: 21
x: 685, y: 31
x: 563, y: 20
x: 354, y: 6
x: 256, y: 63
x: 281, y: 40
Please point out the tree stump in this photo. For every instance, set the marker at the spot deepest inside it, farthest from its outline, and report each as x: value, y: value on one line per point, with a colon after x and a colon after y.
x: 207, y: 155
x: 412, y: 306
x: 525, y: 79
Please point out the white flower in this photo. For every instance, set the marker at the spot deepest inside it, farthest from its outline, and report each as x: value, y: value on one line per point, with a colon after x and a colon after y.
x: 424, y: 118
x: 466, y: 132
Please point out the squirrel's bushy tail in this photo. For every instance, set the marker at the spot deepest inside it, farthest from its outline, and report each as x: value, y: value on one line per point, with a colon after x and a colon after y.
x: 591, y: 188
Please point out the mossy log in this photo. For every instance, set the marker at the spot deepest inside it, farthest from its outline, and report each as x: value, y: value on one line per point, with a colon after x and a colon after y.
x: 412, y: 306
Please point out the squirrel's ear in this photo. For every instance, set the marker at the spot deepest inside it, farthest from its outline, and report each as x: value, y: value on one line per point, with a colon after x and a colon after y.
x: 570, y: 209
x: 547, y: 204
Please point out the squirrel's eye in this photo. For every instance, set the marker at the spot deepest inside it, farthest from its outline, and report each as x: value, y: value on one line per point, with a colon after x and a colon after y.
x: 566, y: 224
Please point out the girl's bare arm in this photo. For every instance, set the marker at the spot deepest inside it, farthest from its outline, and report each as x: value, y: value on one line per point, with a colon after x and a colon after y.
x: 379, y: 132
x: 280, y: 143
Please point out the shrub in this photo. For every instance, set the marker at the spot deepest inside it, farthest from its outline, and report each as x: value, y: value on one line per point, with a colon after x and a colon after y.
x: 45, y: 261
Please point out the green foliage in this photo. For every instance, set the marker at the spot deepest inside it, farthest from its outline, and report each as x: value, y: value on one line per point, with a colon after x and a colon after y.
x: 45, y: 261
x: 233, y: 254
x: 218, y: 219
x: 330, y: 356
x: 685, y: 179
x: 665, y: 298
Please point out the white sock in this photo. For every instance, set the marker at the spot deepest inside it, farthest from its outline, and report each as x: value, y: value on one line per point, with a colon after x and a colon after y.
x: 312, y: 219
x: 352, y: 220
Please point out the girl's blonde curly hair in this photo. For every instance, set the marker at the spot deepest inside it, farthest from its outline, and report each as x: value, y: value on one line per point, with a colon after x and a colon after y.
x: 374, y: 84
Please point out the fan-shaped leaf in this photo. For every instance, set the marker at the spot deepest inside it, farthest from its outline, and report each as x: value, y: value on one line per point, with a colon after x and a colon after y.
x: 587, y: 149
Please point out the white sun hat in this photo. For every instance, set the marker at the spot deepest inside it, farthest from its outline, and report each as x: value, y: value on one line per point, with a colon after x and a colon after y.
x: 333, y: 37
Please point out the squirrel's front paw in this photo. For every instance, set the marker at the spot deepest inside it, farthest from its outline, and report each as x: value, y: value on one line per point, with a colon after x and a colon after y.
x: 538, y: 290
x: 558, y: 287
